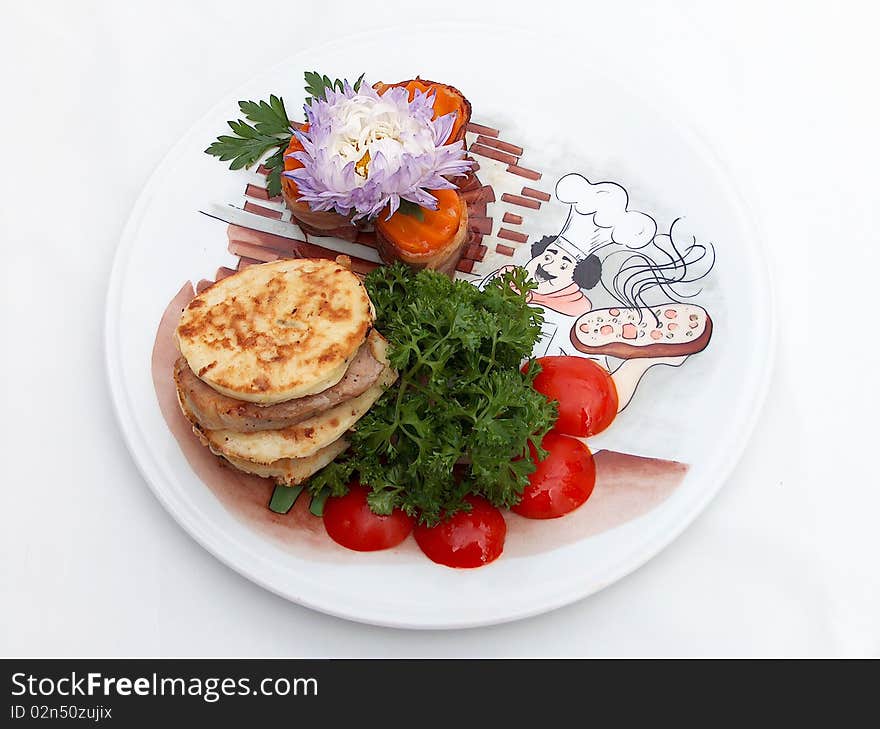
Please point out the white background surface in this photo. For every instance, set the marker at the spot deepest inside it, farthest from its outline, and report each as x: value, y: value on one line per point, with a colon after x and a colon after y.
x: 783, y: 562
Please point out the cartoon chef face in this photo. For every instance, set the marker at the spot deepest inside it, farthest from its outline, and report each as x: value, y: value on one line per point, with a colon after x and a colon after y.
x: 556, y: 264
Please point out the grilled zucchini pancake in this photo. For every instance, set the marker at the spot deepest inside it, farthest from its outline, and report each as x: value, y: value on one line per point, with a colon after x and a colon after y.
x: 276, y: 331
x: 300, y: 440
x: 292, y: 471
x: 214, y: 411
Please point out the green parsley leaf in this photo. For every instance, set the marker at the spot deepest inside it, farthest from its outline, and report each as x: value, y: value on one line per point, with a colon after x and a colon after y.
x: 414, y: 210
x: 269, y: 129
x: 333, y: 478
x: 317, y: 85
x: 275, y: 164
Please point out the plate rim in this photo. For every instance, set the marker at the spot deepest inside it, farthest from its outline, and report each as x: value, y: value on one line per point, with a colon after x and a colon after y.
x: 576, y: 591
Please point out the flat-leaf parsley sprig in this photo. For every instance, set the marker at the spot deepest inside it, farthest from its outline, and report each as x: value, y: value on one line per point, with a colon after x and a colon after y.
x: 270, y: 129
x: 266, y: 126
x: 461, y: 417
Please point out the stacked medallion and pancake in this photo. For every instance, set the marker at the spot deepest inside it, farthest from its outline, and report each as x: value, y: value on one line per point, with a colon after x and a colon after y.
x: 277, y: 363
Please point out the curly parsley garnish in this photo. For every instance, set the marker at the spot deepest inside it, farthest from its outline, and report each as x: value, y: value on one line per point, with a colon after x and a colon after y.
x: 461, y: 415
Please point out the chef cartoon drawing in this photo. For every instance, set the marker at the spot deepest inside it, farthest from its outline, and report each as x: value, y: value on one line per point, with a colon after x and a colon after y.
x: 606, y: 254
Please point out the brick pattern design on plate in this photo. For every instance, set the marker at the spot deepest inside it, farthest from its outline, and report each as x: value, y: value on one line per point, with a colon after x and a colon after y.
x: 513, y: 235
x: 523, y: 172
x: 495, y: 154
x: 499, y: 145
x: 265, y: 212
x: 260, y: 193
x: 244, y: 262
x: 525, y: 202
x: 537, y: 194
x: 480, y: 129
x: 480, y: 225
x: 516, y: 203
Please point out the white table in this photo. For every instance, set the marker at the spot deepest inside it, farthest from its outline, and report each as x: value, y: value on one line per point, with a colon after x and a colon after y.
x: 784, y: 561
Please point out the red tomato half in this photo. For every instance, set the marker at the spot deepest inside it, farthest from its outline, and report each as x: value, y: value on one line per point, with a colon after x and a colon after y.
x: 469, y: 539
x: 563, y: 481
x: 585, y: 391
x: 349, y: 522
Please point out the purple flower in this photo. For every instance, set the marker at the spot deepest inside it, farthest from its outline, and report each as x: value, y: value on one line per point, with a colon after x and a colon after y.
x: 363, y: 151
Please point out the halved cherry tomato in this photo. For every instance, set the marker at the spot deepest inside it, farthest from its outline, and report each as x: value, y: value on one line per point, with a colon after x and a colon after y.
x: 585, y: 391
x: 469, y: 539
x: 563, y: 480
x: 350, y: 522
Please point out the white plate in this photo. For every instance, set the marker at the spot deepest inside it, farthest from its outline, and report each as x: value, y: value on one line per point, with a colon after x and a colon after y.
x: 567, y: 120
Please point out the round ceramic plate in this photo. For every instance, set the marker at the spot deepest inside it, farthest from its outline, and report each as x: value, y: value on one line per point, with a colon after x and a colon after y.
x: 580, y: 182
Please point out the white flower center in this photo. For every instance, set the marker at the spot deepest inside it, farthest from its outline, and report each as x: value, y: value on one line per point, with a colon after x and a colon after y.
x: 363, y: 127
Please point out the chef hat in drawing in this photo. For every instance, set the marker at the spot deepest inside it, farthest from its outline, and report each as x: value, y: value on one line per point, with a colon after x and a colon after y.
x: 570, y: 248
x: 563, y: 244
x: 600, y: 214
